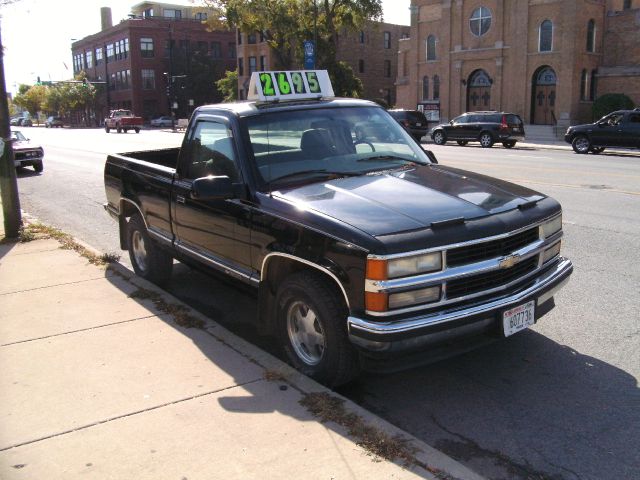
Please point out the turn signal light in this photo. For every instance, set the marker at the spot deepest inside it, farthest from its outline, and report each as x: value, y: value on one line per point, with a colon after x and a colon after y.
x: 376, y: 301
x: 377, y: 269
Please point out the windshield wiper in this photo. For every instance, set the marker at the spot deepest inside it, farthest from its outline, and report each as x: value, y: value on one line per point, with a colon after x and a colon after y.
x: 377, y: 158
x: 302, y: 173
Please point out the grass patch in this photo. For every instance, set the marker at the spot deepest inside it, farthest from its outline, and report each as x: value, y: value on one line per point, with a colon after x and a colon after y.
x: 38, y: 231
x: 379, y: 444
x: 181, y: 314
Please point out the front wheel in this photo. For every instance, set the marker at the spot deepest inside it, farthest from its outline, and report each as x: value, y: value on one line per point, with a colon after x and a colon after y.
x: 439, y: 138
x: 462, y: 143
x: 118, y: 129
x: 581, y: 144
x: 486, y: 140
x: 312, y: 327
x: 148, y: 260
x: 107, y: 129
x: 509, y: 144
x: 38, y: 167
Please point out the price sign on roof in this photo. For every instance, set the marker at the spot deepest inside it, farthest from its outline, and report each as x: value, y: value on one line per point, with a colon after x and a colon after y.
x: 289, y: 85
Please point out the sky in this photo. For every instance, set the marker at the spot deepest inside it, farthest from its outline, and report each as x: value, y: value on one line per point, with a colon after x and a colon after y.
x: 37, y: 34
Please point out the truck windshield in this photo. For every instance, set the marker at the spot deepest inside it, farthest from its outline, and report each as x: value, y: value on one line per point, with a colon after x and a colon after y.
x: 337, y: 141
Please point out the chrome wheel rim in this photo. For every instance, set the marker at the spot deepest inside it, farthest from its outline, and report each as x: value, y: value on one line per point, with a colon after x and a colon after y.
x: 485, y: 140
x: 305, y: 333
x: 438, y: 138
x: 582, y: 144
x: 139, y: 250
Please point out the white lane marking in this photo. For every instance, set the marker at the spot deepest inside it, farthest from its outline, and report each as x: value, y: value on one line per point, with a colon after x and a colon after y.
x: 529, y: 156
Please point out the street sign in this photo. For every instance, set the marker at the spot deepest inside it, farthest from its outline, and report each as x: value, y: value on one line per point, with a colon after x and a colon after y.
x: 309, y: 55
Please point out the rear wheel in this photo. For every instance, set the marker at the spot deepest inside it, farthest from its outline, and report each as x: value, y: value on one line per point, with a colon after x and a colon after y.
x: 148, y: 260
x: 462, y: 143
x: 509, y: 144
x: 312, y: 326
x: 581, y: 144
x: 137, y: 129
x: 486, y: 140
x: 439, y: 138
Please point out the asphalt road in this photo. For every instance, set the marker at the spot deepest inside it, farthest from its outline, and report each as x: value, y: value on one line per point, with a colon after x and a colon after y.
x: 558, y: 401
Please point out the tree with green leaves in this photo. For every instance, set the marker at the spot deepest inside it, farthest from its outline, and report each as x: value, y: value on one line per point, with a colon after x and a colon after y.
x: 286, y: 24
x: 31, y: 98
x: 228, y: 86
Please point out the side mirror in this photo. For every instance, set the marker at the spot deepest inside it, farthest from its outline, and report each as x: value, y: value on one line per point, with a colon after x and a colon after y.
x: 430, y: 154
x: 212, y: 188
x: 450, y: 122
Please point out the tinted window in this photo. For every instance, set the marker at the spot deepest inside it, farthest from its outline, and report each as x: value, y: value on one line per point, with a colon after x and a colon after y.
x: 461, y: 119
x: 210, y: 152
x: 511, y: 118
x: 414, y: 116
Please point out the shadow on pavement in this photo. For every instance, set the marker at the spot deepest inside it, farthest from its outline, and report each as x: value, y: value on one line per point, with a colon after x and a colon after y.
x: 547, y: 410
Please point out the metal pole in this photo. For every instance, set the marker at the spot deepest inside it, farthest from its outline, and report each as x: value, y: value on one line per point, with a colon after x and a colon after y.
x: 106, y: 74
x: 315, y: 32
x: 8, y: 181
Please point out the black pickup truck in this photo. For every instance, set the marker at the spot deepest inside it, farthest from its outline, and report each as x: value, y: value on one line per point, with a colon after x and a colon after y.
x: 364, y: 251
x: 618, y: 129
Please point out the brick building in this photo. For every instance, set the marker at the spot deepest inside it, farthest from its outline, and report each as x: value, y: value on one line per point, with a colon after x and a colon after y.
x: 372, y: 54
x: 137, y: 57
x: 546, y: 60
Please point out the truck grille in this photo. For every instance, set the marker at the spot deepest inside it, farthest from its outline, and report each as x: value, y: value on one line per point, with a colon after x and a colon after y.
x: 486, y: 281
x: 492, y: 249
x: 26, y: 155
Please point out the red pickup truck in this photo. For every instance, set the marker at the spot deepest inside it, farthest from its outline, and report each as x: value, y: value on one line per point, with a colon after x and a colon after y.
x: 122, y: 120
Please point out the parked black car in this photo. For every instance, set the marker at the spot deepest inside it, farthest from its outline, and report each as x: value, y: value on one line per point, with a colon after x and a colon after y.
x: 484, y: 127
x: 413, y: 120
x: 618, y: 129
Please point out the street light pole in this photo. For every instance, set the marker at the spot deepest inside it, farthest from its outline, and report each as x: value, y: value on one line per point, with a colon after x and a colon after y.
x: 315, y: 32
x: 8, y: 181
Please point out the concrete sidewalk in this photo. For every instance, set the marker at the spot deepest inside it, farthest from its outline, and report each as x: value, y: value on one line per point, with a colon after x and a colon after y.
x: 100, y: 380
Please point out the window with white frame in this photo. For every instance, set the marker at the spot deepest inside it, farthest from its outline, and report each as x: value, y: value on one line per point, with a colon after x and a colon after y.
x: 146, y: 47
x: 172, y: 13
x: 480, y: 21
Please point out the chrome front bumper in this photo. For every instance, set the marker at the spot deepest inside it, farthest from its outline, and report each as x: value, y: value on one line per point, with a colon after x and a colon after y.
x: 413, y: 332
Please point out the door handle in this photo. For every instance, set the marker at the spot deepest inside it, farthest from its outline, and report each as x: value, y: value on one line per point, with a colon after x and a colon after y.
x: 180, y: 199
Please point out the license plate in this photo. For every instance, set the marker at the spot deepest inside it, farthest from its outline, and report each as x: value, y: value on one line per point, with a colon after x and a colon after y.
x: 518, y: 318
x: 516, y: 129
x: 418, y: 124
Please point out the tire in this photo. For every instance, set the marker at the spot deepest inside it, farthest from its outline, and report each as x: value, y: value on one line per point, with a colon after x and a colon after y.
x: 107, y: 129
x: 312, y: 327
x: 137, y: 130
x: 509, y: 144
x: 439, y: 137
x: 462, y: 143
x: 486, y: 140
x: 581, y: 144
x: 597, y: 150
x: 148, y: 260
x: 46, y: 125
x: 38, y: 167
x: 118, y: 129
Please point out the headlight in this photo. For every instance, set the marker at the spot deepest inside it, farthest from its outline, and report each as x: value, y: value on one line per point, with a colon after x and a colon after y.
x: 551, y: 252
x: 404, y: 266
x: 551, y: 227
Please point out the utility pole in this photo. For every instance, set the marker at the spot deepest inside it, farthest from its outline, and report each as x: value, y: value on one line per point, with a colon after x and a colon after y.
x: 8, y: 181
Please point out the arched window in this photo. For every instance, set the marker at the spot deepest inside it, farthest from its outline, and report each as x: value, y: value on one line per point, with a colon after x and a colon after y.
x: 584, y: 82
x: 431, y: 47
x: 545, y: 37
x: 425, y: 88
x: 592, y: 86
x: 591, y: 36
x: 436, y: 87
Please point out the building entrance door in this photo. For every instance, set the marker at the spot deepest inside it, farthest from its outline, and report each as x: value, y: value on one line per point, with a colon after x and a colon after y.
x: 479, y: 91
x: 544, y: 97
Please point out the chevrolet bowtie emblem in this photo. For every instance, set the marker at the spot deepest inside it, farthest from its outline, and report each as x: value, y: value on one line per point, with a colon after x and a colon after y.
x: 509, y: 261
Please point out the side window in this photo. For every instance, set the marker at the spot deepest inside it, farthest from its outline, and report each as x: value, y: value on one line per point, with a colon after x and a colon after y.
x: 210, y: 152
x: 634, y: 118
x: 460, y: 120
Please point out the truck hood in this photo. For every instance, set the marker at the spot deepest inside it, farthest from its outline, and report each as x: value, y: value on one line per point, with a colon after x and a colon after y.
x: 386, y: 203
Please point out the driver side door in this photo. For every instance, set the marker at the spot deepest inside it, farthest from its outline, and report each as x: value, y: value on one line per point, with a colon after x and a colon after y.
x: 214, y: 232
